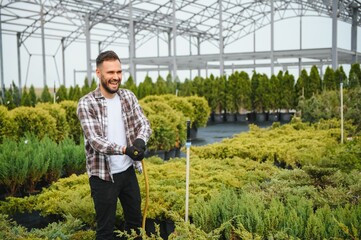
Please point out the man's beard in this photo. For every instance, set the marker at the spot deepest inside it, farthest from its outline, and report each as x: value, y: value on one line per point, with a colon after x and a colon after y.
x: 104, y: 84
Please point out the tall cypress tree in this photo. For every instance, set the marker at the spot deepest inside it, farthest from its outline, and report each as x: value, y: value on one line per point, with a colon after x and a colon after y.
x: 160, y: 86
x: 146, y: 87
x: 340, y: 75
x: 130, y: 85
x: 314, y: 84
x: 354, y: 76
x: 300, y: 86
x: 25, y: 98
x: 45, y: 95
x: 32, y: 95
x: 275, y: 94
x: 329, y: 82
x: 61, y: 94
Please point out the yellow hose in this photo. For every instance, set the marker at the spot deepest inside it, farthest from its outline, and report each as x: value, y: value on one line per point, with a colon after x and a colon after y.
x: 146, y: 195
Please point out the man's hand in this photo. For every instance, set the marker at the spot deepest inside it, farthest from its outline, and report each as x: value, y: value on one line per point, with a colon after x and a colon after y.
x: 137, y: 154
x: 139, y: 143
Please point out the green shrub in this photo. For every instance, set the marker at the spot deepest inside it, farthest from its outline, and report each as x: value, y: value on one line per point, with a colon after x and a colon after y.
x: 176, y: 121
x: 201, y: 111
x: 9, y: 229
x: 163, y: 136
x: 62, y: 127
x: 5, y: 123
x: 13, y: 166
x: 32, y: 120
x: 75, y: 131
x: 74, y: 157
x: 34, y: 155
x: 54, y: 157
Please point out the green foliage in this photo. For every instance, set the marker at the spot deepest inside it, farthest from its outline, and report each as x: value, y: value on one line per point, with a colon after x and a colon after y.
x: 275, y: 91
x: 145, y: 88
x: 12, y: 99
x: 75, y: 131
x: 329, y: 81
x: 13, y: 166
x: 313, y: 85
x: 354, y: 79
x: 34, y: 156
x: 164, y: 133
x: 70, y: 229
x: 58, y: 113
x: 235, y: 196
x: 240, y: 89
x: 260, y: 92
x: 9, y: 229
x: 45, y: 95
x: 287, y: 91
x: 25, y: 98
x: 53, y: 157
x: 130, y: 85
x: 323, y: 106
x: 287, y: 146
x: 201, y: 111
x: 300, y: 85
x: 32, y: 95
x: 33, y: 120
x: 75, y: 93
x: 352, y: 109
x: 74, y: 157
x: 61, y: 94
x: 5, y: 123
x: 160, y: 86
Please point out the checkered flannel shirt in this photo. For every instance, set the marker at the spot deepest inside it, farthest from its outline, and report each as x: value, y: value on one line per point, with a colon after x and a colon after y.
x: 92, y: 113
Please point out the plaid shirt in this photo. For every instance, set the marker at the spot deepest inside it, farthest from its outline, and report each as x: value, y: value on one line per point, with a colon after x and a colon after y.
x: 93, y: 116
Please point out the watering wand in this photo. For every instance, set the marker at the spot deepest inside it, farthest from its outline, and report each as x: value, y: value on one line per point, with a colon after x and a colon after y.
x: 188, y: 145
x: 146, y: 190
x: 146, y: 194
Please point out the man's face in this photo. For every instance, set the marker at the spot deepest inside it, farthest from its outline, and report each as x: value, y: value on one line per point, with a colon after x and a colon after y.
x: 110, y: 76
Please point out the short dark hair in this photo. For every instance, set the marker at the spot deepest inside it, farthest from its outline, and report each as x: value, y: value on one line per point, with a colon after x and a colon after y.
x: 106, y: 56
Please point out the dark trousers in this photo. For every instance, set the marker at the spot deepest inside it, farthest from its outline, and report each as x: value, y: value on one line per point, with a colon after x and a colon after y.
x: 105, y: 196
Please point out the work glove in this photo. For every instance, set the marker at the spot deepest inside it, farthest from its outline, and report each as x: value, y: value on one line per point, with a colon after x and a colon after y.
x: 137, y: 154
x: 139, y: 143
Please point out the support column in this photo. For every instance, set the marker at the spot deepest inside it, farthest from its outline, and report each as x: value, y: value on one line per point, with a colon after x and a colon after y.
x: 158, y: 52
x: 18, y: 45
x: 190, y: 53
x: 99, y: 47
x: 334, y: 34
x: 131, y: 43
x: 1, y: 63
x: 169, y: 50
x: 43, y: 43
x: 221, y: 45
x: 199, y: 53
x: 354, y: 32
x: 272, y: 36
x: 254, y: 45
x: 88, y: 55
x: 63, y: 59
x: 174, y: 42
x: 300, y: 59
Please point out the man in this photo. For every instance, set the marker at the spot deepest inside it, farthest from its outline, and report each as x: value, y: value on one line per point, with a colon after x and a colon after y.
x: 115, y: 133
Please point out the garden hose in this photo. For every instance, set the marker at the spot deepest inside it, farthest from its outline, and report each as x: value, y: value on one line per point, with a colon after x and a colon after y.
x: 146, y: 195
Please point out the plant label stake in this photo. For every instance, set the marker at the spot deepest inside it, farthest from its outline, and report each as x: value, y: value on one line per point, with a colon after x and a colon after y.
x: 188, y: 145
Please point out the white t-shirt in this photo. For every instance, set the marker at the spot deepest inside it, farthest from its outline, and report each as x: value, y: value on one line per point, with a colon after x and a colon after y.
x: 116, y: 134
